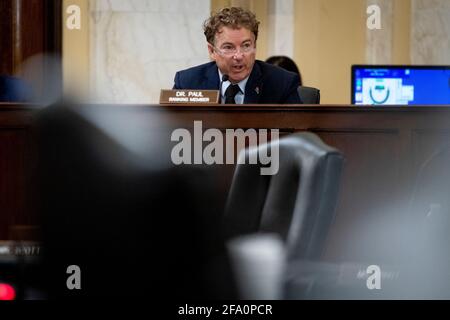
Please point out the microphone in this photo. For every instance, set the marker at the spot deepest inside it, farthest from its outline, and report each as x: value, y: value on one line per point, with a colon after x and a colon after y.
x: 225, y: 77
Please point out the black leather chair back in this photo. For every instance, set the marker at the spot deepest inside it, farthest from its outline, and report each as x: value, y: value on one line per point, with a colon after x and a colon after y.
x: 309, y: 95
x: 298, y: 202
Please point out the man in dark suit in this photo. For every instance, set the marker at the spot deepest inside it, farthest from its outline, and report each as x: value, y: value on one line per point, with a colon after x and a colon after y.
x: 231, y: 35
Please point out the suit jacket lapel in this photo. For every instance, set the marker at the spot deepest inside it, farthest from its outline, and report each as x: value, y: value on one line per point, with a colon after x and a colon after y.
x: 254, y: 85
x: 211, y: 81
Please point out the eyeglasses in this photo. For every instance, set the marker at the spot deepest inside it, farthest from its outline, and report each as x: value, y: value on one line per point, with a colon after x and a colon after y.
x: 229, y: 50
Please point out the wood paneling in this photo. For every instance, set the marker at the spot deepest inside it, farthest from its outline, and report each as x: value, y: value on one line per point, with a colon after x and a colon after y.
x: 12, y: 183
x: 28, y: 27
x: 16, y: 161
x: 6, y: 38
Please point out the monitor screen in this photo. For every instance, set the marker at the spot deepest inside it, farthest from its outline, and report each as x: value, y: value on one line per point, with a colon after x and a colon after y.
x: 400, y: 85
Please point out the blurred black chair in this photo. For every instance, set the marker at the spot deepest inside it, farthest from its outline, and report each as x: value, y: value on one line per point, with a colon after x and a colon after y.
x: 298, y: 203
x: 134, y: 224
x: 14, y: 90
x: 429, y: 206
x: 309, y: 95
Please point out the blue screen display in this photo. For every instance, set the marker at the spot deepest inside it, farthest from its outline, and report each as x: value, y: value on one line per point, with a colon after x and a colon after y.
x: 400, y: 85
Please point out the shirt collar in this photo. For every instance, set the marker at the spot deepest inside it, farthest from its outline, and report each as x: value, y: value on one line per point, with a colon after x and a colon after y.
x: 241, y: 84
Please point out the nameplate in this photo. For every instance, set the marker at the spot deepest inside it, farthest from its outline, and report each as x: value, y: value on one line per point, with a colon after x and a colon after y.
x: 20, y: 248
x: 189, y: 96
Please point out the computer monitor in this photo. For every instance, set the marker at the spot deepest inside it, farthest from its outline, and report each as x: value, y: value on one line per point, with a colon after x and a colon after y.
x: 400, y: 85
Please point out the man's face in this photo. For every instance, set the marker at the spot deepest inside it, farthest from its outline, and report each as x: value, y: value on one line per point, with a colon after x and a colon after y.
x: 234, y: 52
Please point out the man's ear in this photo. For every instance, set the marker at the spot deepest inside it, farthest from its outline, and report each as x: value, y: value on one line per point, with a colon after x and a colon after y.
x: 211, y: 52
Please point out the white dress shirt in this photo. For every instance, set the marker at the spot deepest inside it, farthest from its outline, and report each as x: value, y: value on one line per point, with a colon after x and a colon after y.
x: 239, y: 98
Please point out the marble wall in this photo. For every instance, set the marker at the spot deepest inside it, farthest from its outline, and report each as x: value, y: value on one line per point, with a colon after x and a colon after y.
x: 430, y: 32
x: 280, y: 28
x: 379, y: 41
x: 138, y: 45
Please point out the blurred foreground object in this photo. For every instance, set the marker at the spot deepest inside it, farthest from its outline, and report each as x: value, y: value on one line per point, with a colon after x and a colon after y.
x: 297, y: 204
x: 113, y: 205
x: 258, y: 261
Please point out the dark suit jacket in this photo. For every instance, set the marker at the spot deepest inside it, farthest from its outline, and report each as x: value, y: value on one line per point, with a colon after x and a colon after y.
x: 266, y: 84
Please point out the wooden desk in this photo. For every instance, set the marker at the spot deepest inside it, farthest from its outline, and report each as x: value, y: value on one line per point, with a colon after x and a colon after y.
x: 383, y: 146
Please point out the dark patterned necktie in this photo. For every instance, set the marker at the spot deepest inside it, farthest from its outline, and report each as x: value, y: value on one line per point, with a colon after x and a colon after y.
x: 230, y: 93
